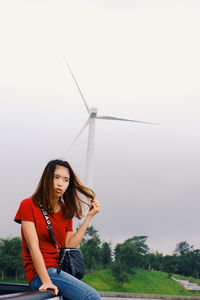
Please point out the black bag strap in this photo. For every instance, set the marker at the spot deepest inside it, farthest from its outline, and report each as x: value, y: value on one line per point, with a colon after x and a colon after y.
x: 49, y: 226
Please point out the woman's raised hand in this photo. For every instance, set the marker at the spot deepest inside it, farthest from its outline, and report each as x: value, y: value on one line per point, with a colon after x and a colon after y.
x: 95, y: 207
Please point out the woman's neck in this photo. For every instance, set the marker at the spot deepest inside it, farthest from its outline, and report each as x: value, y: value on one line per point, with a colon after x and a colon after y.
x: 57, y: 205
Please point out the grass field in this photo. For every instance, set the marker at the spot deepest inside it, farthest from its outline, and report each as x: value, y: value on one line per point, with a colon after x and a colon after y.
x: 142, y: 282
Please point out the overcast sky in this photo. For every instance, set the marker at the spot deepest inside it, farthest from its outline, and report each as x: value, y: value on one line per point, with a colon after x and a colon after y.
x: 132, y: 58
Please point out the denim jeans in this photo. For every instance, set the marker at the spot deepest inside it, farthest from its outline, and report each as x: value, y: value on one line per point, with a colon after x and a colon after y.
x: 68, y: 286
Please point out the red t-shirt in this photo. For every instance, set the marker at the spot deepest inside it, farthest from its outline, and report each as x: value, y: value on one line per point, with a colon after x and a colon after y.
x: 28, y: 211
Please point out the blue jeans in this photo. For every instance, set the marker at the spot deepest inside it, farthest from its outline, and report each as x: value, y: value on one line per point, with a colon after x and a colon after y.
x: 68, y: 286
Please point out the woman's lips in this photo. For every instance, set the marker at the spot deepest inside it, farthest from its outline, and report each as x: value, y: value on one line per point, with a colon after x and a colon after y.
x: 58, y: 191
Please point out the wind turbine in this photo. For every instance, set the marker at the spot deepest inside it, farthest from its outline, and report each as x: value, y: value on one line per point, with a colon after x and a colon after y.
x: 92, y: 117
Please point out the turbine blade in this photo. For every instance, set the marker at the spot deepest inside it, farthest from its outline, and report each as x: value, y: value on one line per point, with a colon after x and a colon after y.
x: 122, y: 119
x: 82, y: 129
x: 76, y: 84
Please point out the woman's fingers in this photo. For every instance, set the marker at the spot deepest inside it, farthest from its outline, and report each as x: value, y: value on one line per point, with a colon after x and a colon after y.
x: 95, y: 202
x: 49, y: 286
x: 95, y: 207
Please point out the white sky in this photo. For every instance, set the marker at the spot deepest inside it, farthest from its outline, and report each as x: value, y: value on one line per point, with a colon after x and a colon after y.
x: 132, y: 58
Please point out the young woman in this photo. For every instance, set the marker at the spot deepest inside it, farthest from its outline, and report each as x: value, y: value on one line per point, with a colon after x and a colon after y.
x: 59, y: 193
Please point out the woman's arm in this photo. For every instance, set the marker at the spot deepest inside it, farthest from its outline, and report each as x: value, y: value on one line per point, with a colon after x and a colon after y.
x: 73, y: 240
x: 31, y: 237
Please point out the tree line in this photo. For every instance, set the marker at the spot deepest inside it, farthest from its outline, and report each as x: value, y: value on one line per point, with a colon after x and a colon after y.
x: 11, y: 264
x: 133, y: 252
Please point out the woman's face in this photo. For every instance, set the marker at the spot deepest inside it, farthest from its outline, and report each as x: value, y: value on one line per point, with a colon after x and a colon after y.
x: 61, y: 180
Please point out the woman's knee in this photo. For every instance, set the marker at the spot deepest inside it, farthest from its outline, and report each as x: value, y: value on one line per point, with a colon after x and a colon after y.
x: 72, y: 288
x: 94, y: 295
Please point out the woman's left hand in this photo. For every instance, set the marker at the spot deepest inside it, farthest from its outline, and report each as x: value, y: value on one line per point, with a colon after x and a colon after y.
x: 73, y: 240
x: 95, y: 208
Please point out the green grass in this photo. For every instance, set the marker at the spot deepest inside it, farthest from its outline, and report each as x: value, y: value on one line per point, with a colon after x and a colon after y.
x: 12, y: 280
x: 142, y: 282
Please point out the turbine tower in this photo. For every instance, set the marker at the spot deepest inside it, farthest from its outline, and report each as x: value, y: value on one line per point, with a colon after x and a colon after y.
x: 92, y: 116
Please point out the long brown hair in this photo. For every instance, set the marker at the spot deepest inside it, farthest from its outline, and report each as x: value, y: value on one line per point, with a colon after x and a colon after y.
x: 73, y: 203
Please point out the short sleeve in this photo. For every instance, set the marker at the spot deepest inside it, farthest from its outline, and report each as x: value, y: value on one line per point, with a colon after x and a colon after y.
x: 69, y: 225
x: 25, y: 211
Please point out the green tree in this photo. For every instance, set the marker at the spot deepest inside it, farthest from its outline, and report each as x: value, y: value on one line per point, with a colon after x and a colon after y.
x: 154, y: 261
x: 140, y: 243
x: 119, y: 272
x: 170, y: 264
x: 91, y: 249
x: 11, y: 263
x: 183, y: 248
x: 126, y: 255
x: 195, y: 258
x: 185, y: 265
x: 106, y: 254
x: 184, y: 253
x: 132, y: 252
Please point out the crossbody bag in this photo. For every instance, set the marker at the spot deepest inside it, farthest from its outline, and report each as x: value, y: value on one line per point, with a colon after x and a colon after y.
x: 71, y: 259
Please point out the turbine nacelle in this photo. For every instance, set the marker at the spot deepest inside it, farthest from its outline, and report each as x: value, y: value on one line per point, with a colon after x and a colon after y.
x: 93, y: 112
